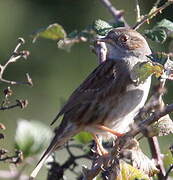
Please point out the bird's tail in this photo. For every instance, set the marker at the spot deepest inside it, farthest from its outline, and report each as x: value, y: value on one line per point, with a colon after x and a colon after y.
x: 62, y: 135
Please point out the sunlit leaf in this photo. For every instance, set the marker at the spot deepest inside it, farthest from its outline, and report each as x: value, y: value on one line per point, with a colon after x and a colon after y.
x: 83, y: 137
x: 53, y: 32
x: 31, y: 137
x: 128, y: 172
x: 166, y: 24
x: 102, y: 27
x: 165, y: 60
x: 142, y: 71
x: 163, y: 127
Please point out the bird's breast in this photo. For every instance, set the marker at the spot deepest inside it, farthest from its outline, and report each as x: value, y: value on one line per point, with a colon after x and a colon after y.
x: 128, y: 106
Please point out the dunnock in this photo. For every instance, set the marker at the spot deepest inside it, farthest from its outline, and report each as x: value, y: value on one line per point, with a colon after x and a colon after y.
x: 107, y: 101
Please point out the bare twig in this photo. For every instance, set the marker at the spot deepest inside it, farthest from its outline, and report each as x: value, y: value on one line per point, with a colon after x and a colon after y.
x: 168, y: 172
x: 19, y: 103
x: 156, y: 155
x: 70, y: 164
x: 15, y: 56
x: 9, y: 107
x: 117, y: 14
x: 138, y: 14
x: 152, y: 14
x: 17, y: 158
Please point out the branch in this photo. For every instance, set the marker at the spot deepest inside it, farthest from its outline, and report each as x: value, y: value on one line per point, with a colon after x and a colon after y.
x: 17, y: 158
x: 151, y: 14
x: 15, y: 56
x: 19, y: 103
x: 168, y: 172
x: 156, y: 155
x: 138, y: 16
x: 117, y: 14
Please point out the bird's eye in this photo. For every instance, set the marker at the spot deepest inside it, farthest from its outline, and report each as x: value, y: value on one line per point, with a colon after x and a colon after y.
x: 123, y: 38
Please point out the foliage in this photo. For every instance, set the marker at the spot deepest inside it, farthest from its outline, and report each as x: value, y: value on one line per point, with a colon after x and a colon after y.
x: 29, y: 134
x: 161, y: 31
x: 29, y: 137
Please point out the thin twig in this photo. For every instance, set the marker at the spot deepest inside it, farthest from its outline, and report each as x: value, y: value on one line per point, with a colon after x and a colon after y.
x: 152, y: 14
x: 153, y: 141
x: 168, y: 172
x: 117, y: 14
x: 19, y: 103
x: 156, y: 4
x: 15, y: 56
x: 138, y: 14
x: 9, y: 107
x: 156, y: 155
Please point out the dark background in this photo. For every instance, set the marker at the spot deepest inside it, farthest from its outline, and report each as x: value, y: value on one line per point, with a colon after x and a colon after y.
x: 55, y: 73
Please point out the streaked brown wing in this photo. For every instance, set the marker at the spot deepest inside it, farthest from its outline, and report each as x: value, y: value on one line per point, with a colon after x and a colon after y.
x: 96, y: 85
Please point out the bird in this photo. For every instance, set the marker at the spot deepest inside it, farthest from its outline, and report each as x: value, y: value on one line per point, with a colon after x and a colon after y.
x: 108, y: 99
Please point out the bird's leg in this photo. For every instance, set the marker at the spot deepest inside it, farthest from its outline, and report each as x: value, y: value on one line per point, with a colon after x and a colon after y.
x: 100, y: 148
x: 104, y: 128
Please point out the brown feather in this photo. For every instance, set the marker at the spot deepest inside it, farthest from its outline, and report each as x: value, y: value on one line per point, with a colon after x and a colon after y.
x: 100, y: 84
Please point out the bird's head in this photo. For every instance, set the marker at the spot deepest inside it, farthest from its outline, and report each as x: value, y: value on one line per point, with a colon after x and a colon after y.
x: 123, y: 42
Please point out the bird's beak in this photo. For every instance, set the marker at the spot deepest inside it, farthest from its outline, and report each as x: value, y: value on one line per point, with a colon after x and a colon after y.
x: 107, y: 40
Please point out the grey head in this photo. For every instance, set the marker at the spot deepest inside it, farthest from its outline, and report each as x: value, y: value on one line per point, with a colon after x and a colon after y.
x: 123, y: 42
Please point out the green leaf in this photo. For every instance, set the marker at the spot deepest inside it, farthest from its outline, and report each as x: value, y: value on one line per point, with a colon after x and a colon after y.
x: 142, y: 71
x: 161, y: 31
x: 83, y: 137
x: 53, y: 32
x: 159, y: 57
x: 102, y: 27
x: 31, y: 137
x: 158, y: 35
x: 166, y: 61
x: 166, y: 24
